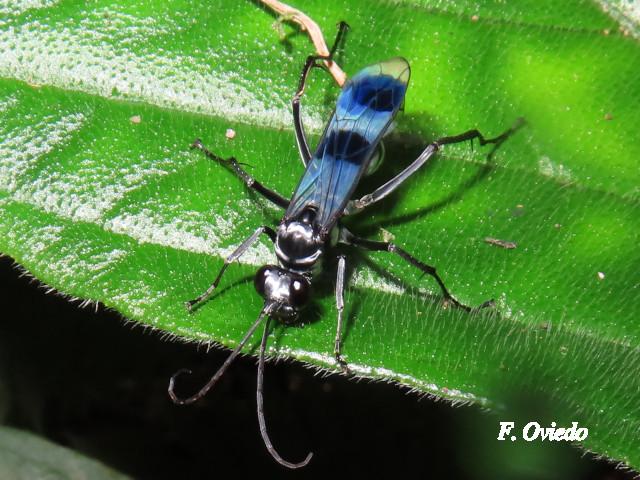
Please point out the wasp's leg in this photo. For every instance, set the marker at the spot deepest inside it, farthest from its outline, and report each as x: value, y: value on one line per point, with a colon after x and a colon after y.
x: 342, y: 31
x: 350, y: 239
x: 356, y: 205
x: 337, y: 348
x: 237, y: 253
x: 248, y: 180
x: 301, y: 137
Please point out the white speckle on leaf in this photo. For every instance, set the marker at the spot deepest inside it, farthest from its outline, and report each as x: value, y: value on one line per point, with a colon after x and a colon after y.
x: 366, y: 278
x: 190, y: 233
x: 69, y: 194
x: 18, y: 7
x: 91, y: 265
x: 550, y: 169
x: 22, y: 147
x: 193, y: 232
x: 626, y: 13
x: 97, y: 59
x: 47, y: 235
x: 8, y: 102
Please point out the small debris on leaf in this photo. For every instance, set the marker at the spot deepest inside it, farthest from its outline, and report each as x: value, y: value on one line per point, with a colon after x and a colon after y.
x: 601, y: 275
x: 387, y: 236
x: 136, y: 119
x: 230, y: 133
x: 501, y: 243
x: 518, y: 211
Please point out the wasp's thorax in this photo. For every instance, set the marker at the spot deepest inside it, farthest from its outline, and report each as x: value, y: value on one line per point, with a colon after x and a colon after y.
x: 298, y: 244
x: 288, y: 291
x: 298, y: 247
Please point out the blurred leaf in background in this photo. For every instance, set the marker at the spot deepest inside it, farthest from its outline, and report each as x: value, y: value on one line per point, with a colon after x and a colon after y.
x: 25, y: 456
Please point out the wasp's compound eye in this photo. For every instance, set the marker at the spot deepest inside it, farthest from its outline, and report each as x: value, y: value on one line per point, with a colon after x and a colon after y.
x: 264, y: 276
x: 299, y: 292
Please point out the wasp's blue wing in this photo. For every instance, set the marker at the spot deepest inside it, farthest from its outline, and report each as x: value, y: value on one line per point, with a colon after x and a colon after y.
x: 365, y: 108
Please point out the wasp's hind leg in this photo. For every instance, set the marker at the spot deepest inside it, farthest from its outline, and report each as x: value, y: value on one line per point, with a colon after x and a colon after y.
x: 337, y: 348
x: 248, y: 180
x: 312, y: 61
x: 379, y: 193
x: 350, y: 239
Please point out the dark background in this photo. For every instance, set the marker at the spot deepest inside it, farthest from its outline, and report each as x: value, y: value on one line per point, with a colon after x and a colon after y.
x: 96, y: 383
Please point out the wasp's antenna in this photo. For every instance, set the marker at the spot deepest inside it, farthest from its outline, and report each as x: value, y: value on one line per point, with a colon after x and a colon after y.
x: 263, y: 425
x: 213, y: 380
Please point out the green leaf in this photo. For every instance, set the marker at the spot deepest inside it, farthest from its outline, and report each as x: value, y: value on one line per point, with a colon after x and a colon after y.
x: 29, y: 457
x: 104, y: 208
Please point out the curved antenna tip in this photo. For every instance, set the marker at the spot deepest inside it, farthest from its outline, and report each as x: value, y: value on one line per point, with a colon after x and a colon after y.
x: 172, y: 384
x: 260, y: 405
x: 290, y: 465
x: 216, y: 376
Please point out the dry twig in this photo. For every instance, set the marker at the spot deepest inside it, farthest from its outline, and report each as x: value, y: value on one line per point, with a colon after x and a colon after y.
x: 313, y: 30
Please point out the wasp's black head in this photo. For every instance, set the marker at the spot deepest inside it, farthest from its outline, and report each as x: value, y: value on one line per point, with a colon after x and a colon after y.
x: 288, y: 290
